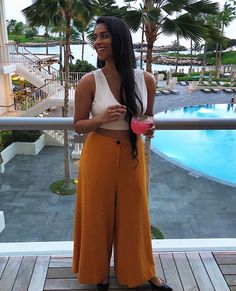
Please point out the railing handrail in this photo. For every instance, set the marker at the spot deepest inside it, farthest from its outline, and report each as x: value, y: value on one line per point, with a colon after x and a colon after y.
x: 7, y: 106
x: 66, y: 123
x: 34, y: 62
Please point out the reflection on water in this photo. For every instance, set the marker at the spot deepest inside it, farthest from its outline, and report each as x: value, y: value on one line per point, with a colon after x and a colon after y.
x: 211, y: 152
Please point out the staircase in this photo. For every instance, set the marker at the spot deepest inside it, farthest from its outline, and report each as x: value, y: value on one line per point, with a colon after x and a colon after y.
x: 49, y: 92
x: 29, y: 67
x: 57, y: 137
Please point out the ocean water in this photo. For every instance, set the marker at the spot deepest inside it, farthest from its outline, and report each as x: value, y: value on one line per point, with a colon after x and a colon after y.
x: 91, y: 56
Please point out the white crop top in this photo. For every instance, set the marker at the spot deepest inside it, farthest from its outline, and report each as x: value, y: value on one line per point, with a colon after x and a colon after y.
x: 104, y: 98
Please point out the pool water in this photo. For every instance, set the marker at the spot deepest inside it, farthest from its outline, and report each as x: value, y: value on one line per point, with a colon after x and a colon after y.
x: 211, y: 152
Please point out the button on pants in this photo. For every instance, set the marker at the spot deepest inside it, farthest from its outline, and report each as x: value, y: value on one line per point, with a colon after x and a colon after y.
x: 112, y: 210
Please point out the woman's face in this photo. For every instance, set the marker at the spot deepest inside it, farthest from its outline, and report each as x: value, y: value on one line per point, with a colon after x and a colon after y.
x: 103, y: 42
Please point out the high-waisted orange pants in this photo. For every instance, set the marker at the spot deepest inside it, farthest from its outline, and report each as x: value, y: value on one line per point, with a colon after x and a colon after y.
x: 112, y: 209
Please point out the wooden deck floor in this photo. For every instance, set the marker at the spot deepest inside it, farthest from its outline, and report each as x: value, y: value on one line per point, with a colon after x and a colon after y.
x: 204, y: 271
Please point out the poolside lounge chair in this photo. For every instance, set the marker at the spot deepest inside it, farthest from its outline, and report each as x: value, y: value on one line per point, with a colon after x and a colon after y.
x: 224, y: 83
x: 165, y: 92
x: 227, y: 90
x: 206, y: 90
x: 216, y: 90
x: 206, y: 83
x: 183, y: 83
x: 174, y: 91
x: 213, y: 83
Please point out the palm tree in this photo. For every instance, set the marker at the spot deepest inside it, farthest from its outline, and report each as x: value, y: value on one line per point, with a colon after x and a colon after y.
x: 11, y: 25
x: 158, y: 18
x: 55, y: 12
x: 225, y: 17
x: 18, y: 29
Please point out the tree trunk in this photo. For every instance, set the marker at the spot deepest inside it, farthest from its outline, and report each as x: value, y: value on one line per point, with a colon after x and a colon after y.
x: 220, y: 53
x: 83, y: 40
x: 141, y: 53
x: 60, y: 52
x: 191, y: 60
x: 217, y: 60
x: 66, y: 101
x: 204, y: 54
x: 149, y: 57
x: 177, y: 54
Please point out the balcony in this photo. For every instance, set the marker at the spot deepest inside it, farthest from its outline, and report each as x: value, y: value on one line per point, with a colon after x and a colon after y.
x: 183, y: 270
x: 36, y: 245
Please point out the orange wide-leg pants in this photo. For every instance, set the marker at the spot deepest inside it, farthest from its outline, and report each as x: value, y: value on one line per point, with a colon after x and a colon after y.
x: 112, y: 209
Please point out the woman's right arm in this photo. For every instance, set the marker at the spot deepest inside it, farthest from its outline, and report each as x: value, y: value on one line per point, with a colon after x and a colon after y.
x: 83, y: 101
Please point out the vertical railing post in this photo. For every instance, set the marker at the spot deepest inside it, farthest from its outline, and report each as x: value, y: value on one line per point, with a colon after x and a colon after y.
x: 147, y: 159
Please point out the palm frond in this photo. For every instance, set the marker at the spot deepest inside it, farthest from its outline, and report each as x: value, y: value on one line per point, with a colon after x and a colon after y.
x: 202, y: 6
x: 185, y: 26
x: 154, y: 14
x: 134, y: 19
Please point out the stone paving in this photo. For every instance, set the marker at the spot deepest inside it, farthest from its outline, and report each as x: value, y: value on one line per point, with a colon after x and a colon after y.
x: 182, y: 204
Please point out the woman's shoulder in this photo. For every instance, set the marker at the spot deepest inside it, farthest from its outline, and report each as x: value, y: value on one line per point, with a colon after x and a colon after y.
x: 148, y: 77
x: 86, y: 83
x: 88, y: 77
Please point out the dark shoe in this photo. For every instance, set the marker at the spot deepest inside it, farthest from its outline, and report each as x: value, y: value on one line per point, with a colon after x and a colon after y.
x: 102, y: 287
x: 163, y: 287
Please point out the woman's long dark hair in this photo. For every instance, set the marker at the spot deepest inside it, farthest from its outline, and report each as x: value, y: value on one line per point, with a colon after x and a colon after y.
x: 124, y: 59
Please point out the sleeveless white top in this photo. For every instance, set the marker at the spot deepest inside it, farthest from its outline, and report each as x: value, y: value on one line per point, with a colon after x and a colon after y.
x: 104, y: 98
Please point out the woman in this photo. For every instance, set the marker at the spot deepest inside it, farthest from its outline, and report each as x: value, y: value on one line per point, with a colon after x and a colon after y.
x: 111, y: 207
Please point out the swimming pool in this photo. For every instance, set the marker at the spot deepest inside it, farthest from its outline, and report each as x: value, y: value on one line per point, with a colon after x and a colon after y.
x: 211, y: 152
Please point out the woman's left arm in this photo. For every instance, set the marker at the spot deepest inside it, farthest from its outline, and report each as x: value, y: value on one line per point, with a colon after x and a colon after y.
x: 151, y: 93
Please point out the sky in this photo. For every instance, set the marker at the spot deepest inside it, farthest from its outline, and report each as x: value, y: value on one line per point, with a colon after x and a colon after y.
x: 14, y: 7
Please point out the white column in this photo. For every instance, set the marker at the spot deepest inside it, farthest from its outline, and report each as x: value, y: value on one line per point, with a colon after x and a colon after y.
x: 5, y: 80
x: 3, y: 34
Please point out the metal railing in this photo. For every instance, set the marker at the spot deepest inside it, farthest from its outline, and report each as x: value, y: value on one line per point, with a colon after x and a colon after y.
x: 66, y: 123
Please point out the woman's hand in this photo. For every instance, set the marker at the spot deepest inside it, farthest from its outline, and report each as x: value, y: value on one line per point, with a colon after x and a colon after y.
x: 112, y: 113
x: 150, y: 132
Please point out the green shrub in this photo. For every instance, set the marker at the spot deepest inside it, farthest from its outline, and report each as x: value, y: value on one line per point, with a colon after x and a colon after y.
x: 26, y: 135
x: 81, y: 66
x: 185, y: 78
x: 6, y: 138
x: 178, y: 74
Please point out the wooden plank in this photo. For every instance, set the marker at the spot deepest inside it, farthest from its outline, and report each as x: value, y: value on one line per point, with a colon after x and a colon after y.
x: 170, y: 271
x: 114, y: 285
x: 214, y: 272
x: 3, y: 263
x: 39, y: 274
x: 185, y: 271
x: 9, y: 273
x: 65, y: 262
x: 225, y: 257
x: 66, y: 284
x: 158, y: 266
x: 231, y: 279
x: 63, y: 273
x: 199, y: 271
x: 228, y: 269
x: 24, y: 274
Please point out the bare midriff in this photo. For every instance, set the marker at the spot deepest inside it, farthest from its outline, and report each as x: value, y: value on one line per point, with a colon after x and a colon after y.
x: 117, y: 134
